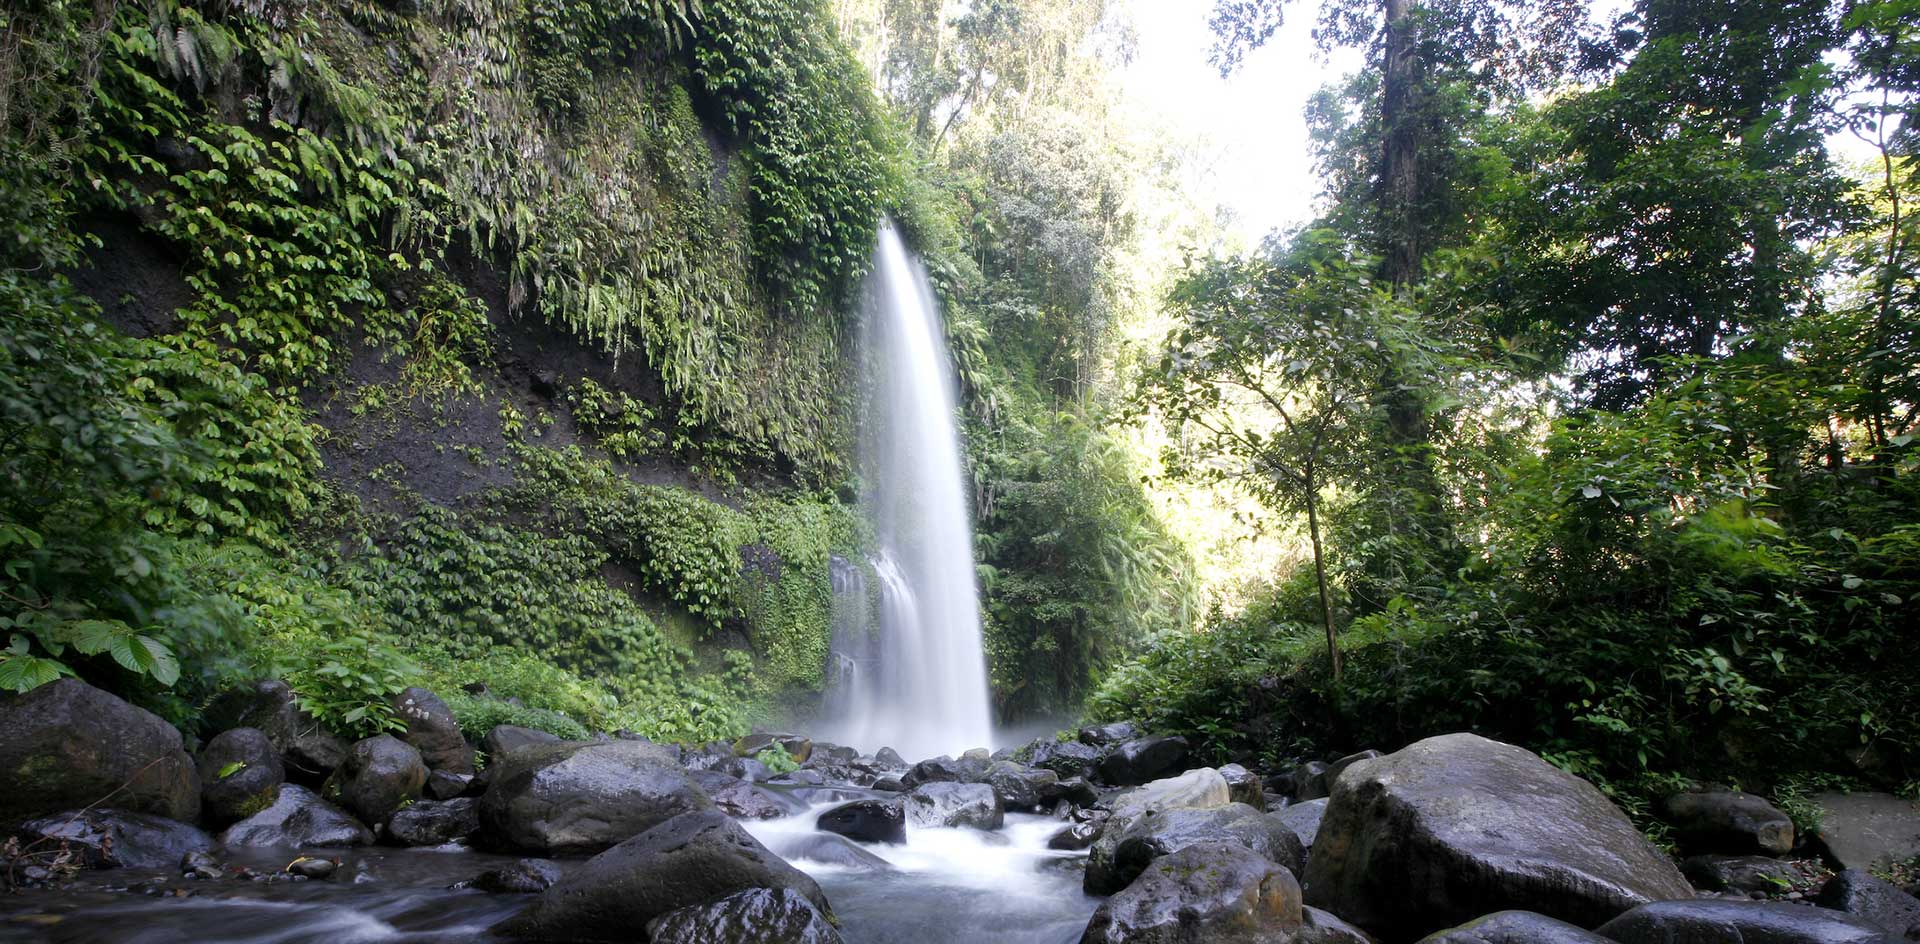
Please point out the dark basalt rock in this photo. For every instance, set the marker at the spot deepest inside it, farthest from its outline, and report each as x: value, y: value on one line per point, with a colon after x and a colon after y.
x: 955, y: 804
x: 504, y: 739
x: 433, y: 731
x: 945, y: 769
x: 1106, y: 734
x: 742, y: 800
x: 1310, y: 781
x: 1320, y: 927
x: 298, y: 818
x: 252, y: 783
x: 442, y: 785
x: 1074, y: 837
x: 66, y: 744
x: 685, y: 861
x: 829, y: 755
x: 1456, y: 827
x: 1244, y: 787
x: 308, y: 751
x: 755, y: 916
x: 1143, y: 759
x: 313, y: 867
x: 1303, y: 819
x: 1074, y: 790
x: 521, y: 878
x: 1738, y: 922
x: 435, y: 822
x: 1871, y: 899
x: 380, y: 774
x: 831, y: 849
x: 1068, y: 759
x: 1727, y: 822
x: 1515, y: 927
x: 108, y: 838
x: 1211, y: 893
x: 1122, y: 854
x: 1020, y: 788
x: 889, y: 785
x: 867, y: 820
x: 748, y: 769
x: 1744, y: 874
x: 579, y: 797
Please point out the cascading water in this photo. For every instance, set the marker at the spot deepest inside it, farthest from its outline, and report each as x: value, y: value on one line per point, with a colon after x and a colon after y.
x: 908, y: 669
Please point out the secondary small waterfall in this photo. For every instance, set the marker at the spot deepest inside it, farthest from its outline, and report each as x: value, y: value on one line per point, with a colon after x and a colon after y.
x: 907, y: 670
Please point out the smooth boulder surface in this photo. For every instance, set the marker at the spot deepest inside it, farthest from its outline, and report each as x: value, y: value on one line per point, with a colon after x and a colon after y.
x: 308, y: 751
x: 581, y: 797
x: 433, y: 731
x: 1304, y: 819
x: 867, y: 820
x: 755, y: 916
x: 379, y: 775
x: 240, y: 774
x: 109, y: 838
x: 1323, y: 927
x: 1867, y: 830
x: 1244, y: 787
x: 1212, y: 893
x: 435, y: 822
x: 1066, y: 758
x: 1020, y: 788
x: 1708, y: 921
x: 504, y: 739
x: 1515, y: 927
x: 1122, y: 853
x: 688, y: 860
x: 1142, y: 760
x: 66, y: 745
x: 1874, y: 900
x: 1458, y: 826
x: 1199, y: 789
x: 298, y: 818
x: 955, y: 804
x: 1727, y: 822
x: 740, y: 799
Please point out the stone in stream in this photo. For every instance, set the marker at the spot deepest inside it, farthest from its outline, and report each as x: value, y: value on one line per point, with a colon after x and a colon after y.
x: 66, y: 744
x: 889, y: 758
x: 1744, y: 874
x: 1244, y: 787
x: 308, y: 751
x: 1872, y: 899
x: 1074, y: 790
x: 831, y: 849
x: 1123, y: 852
x: 867, y: 820
x: 685, y: 861
x: 1865, y: 830
x: 521, y: 878
x: 1074, y: 837
x: 504, y: 739
x: 1211, y: 893
x: 1142, y: 760
x: 740, y: 799
x: 1303, y: 819
x: 1727, y: 822
x: 1106, y: 734
x: 1515, y: 927
x: 1066, y: 758
x: 954, y: 805
x: 434, y: 822
x: 1020, y: 788
x: 1458, y: 826
x: 944, y: 769
x: 755, y: 916
x: 433, y: 731
x: 889, y: 785
x: 379, y: 775
x: 1708, y: 921
x: 200, y: 865
x: 298, y: 818
x: 748, y: 769
x: 110, y: 839
x: 828, y: 755
x: 313, y: 867
x: 240, y: 774
x: 579, y: 797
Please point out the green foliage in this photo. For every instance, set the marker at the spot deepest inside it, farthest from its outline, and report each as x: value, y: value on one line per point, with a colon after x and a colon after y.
x: 479, y: 715
x: 777, y: 760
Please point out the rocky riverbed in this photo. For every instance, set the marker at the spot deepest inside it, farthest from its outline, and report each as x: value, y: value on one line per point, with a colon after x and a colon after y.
x: 280, y: 832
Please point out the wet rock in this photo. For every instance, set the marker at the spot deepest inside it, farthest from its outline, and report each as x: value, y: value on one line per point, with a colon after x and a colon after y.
x: 740, y: 799
x: 1244, y: 787
x: 755, y: 916
x: 435, y: 822
x: 1744, y: 874
x: 955, y: 804
x: 1074, y: 837
x: 240, y: 774
x: 1707, y: 921
x: 574, y: 797
x: 1074, y: 790
x: 200, y: 865
x: 442, y: 785
x: 1125, y: 850
x: 889, y: 758
x: 1873, y: 900
x: 867, y: 820
x: 313, y: 867
x: 1143, y: 759
x: 829, y: 755
x: 66, y: 745
x: 521, y: 878
x: 1107, y: 734
x: 109, y: 838
x: 1487, y: 827
x: 1068, y: 759
x: 1321, y: 927
x: 797, y: 747
x: 308, y: 751
x: 504, y: 739
x: 685, y: 861
x: 889, y: 785
x: 380, y: 774
x: 1515, y: 927
x: 748, y: 769
x: 1865, y: 830
x: 943, y: 769
x: 808, y: 778
x: 1310, y: 781
x: 433, y: 731
x: 1212, y: 893
x: 1338, y: 767
x: 298, y: 818
x: 1303, y: 819
x: 831, y: 849
x: 1020, y: 788
x: 1727, y: 822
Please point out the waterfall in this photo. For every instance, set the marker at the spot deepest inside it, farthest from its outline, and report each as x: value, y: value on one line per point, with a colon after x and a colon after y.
x: 906, y: 669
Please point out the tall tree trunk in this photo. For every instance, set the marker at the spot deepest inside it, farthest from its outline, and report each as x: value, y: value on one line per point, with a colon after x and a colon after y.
x: 1320, y: 576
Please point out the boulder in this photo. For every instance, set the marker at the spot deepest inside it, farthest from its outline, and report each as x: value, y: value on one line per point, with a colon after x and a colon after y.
x: 521, y: 878
x: 867, y: 820
x: 1303, y: 819
x: 433, y: 731
x: 1873, y: 900
x: 200, y: 866
x: 1727, y: 822
x: 298, y: 818
x: 434, y: 822
x: 442, y: 785
x: 1143, y: 759
x: 889, y: 758
x: 1310, y: 781
x: 944, y: 769
x: 740, y: 799
x: 1124, y: 850
x: 1198, y: 789
x: 755, y: 916
x: 955, y: 804
x: 1074, y: 790
x: 1244, y: 787
x: 1074, y: 837
x: 1743, y: 874
x: 110, y: 839
x: 504, y: 739
x: 1105, y: 734
x: 240, y: 774
x: 66, y: 745
x: 1338, y: 767
x: 826, y: 754
x: 1866, y: 830
x: 1211, y: 893
x: 685, y: 861
x: 1515, y: 927
x: 829, y: 849
x: 889, y: 785
x: 308, y: 751
x: 748, y: 769
x: 380, y: 774
x: 579, y: 797
x: 1458, y: 826
x: 1020, y: 788
x: 1710, y: 921
x: 1322, y: 927
x: 1068, y: 758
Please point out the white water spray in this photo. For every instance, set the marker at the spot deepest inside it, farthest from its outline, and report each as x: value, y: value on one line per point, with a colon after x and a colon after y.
x: 911, y: 675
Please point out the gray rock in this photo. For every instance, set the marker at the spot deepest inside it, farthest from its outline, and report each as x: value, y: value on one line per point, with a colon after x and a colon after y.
x: 521, y: 878
x: 889, y: 758
x: 685, y: 861
x: 434, y: 822
x: 1866, y: 830
x: 1198, y: 789
x: 252, y: 775
x: 1068, y: 759
x: 1310, y: 781
x: 442, y: 785
x: 1744, y: 874
x: 944, y: 769
x: 748, y: 769
x: 200, y: 865
x: 579, y: 797
x: 66, y: 745
x: 308, y: 751
x: 1124, y: 851
x: 1709, y: 921
x: 889, y: 785
x: 1458, y: 826
x: 755, y: 916
x: 1870, y: 899
x: 298, y: 818
x: 1321, y: 927
x: 1727, y: 822
x: 313, y: 867
x: 1106, y: 734
x: 867, y: 820
x: 828, y: 755
x: 1212, y: 893
x: 1143, y: 759
x: 1244, y: 787
x: 1303, y: 819
x: 955, y: 804
x: 1020, y: 788
x: 1515, y: 927
x: 109, y: 838
x: 742, y: 800
x: 380, y: 774
x: 1074, y: 790
x: 504, y: 739
x: 1338, y: 767
x: 1074, y: 837
x: 831, y: 849
x: 433, y: 731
